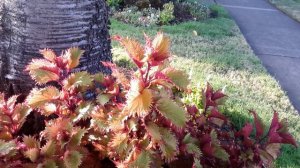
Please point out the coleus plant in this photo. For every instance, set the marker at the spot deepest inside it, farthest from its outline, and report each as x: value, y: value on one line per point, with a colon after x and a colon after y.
x: 135, y: 119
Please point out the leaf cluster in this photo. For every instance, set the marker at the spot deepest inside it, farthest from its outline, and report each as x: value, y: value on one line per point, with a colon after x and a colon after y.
x: 133, y: 118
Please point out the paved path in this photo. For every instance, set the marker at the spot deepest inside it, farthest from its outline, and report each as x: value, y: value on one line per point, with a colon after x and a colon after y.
x: 275, y: 39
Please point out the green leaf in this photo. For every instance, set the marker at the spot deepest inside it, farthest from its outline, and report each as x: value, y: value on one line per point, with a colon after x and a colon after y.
x: 221, y: 154
x: 143, y: 160
x: 172, y: 111
x: 193, y: 149
x: 78, y: 79
x: 49, y: 164
x: 178, y: 77
x: 197, y: 163
x: 43, y: 71
x: 48, y: 149
x: 73, y: 56
x: 99, y: 77
x: 154, y: 131
x: 103, y: 99
x: 32, y: 154
x: 31, y: 142
x: 169, y: 147
x: 188, y: 139
x: 119, y: 142
x: 7, y: 147
x: 72, y: 159
x: 38, y: 97
x: 76, y: 138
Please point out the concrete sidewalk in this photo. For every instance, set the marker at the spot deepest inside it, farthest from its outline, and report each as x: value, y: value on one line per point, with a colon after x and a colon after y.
x: 275, y: 39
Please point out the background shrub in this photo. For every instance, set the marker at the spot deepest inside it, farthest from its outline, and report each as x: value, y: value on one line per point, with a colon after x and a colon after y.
x: 167, y: 14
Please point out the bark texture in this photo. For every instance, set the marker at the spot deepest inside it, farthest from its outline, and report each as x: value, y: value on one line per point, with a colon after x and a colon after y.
x: 26, y: 26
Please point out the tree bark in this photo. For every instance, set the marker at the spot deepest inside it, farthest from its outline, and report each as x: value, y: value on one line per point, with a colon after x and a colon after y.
x: 26, y: 26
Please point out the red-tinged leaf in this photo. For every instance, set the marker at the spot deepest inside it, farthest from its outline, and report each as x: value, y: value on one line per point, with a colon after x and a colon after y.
x: 216, y: 114
x: 246, y: 130
x: 288, y: 139
x: 11, y: 102
x: 258, y: 125
x: 278, y: 132
x: 134, y: 50
x: 192, y: 110
x: 117, y: 73
x: 275, y: 120
x: 159, y: 50
x: 72, y: 56
x: 218, y: 95
x: 48, y: 54
x: 274, y: 137
x: 208, y: 149
x: 43, y: 71
x: 139, y: 99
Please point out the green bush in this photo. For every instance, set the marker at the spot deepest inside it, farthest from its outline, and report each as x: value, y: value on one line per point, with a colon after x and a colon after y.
x: 217, y: 11
x: 114, y: 3
x: 167, y: 14
x: 146, y: 17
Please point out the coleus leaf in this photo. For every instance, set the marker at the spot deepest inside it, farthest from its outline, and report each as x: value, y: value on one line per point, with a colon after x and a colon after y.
x: 78, y: 79
x: 49, y: 164
x: 134, y: 50
x: 39, y: 97
x: 212, y: 98
x: 192, y: 148
x: 103, y: 98
x: 21, y: 111
x: 259, y: 127
x: 119, y: 142
x: 32, y: 154
x: 278, y: 132
x: 43, y: 71
x: 83, y: 111
x: 139, y: 99
x: 143, y: 160
x: 158, y: 50
x: 154, y: 131
x: 76, y: 137
x: 72, y: 159
x: 73, y: 56
x: 273, y: 149
x: 218, y: 151
x: 266, y: 158
x: 178, y: 77
x: 169, y: 147
x: 172, y: 111
x: 31, y: 142
x: 197, y: 163
x: 99, y: 77
x: 245, y: 133
x: 48, y: 54
x: 49, y: 149
x: 11, y: 102
x: 214, y: 113
x: 6, y: 148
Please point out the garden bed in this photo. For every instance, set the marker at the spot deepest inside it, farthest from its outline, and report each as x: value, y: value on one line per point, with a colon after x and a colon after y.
x: 214, y: 50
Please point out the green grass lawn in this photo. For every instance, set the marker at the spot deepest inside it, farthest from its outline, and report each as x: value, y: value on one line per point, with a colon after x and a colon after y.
x: 221, y: 56
x: 290, y: 7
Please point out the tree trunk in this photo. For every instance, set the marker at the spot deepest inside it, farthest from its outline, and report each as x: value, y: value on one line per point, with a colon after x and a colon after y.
x: 26, y: 26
